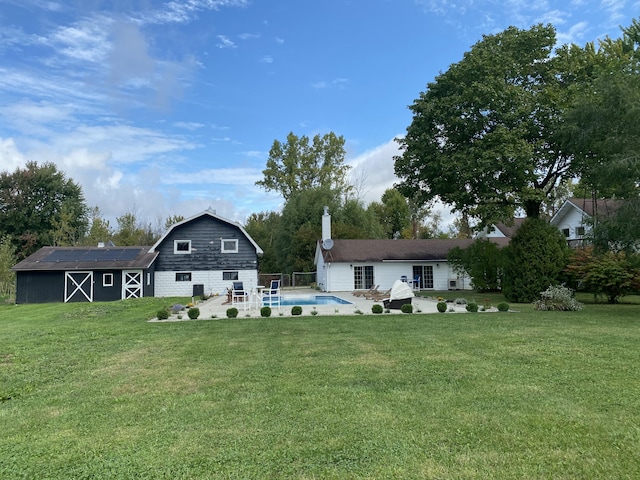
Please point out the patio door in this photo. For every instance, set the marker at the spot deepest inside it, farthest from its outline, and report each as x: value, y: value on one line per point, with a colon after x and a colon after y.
x: 132, y: 284
x: 78, y: 287
x: 425, y: 272
x: 362, y: 277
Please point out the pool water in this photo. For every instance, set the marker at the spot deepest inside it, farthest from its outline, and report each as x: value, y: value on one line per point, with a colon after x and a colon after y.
x: 311, y: 300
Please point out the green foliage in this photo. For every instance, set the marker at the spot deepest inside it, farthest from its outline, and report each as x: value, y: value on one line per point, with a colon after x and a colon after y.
x: 472, y: 307
x: 131, y: 231
x: 503, y: 307
x: 484, y: 134
x: 483, y: 261
x: 376, y: 308
x: 232, y: 312
x: 264, y: 227
x: 610, y: 274
x: 7, y: 260
x: 393, y: 213
x: 265, y: 312
x: 298, y: 165
x: 296, y: 310
x: 441, y: 306
x: 406, y: 308
x: 536, y: 258
x: 193, y: 313
x: 163, y: 314
x: 40, y: 206
x: 557, y: 298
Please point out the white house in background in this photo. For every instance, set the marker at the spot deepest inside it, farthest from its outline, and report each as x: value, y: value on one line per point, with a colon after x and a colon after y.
x: 575, y: 217
x: 500, y: 230
x: 345, y: 265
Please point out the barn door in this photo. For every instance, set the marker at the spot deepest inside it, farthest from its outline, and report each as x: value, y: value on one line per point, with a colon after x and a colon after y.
x: 131, y: 284
x: 78, y: 287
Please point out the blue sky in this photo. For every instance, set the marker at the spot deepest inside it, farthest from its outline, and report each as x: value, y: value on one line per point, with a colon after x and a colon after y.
x: 169, y: 107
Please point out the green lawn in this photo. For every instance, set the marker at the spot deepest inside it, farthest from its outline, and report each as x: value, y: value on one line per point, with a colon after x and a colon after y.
x: 94, y: 391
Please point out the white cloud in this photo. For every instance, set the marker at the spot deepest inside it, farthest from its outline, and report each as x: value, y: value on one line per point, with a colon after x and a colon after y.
x: 10, y: 157
x: 225, y: 42
x: 188, y: 125
x: 266, y: 59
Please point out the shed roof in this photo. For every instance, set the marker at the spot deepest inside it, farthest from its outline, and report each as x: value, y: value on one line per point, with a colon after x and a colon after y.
x: 397, y: 250
x: 87, y: 258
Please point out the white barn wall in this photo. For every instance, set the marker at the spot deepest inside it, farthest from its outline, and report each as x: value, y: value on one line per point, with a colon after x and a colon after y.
x: 166, y: 285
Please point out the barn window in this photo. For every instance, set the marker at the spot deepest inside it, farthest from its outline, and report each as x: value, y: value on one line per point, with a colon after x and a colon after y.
x: 229, y: 275
x: 229, y: 245
x: 182, y: 246
x: 566, y: 232
x: 183, y: 276
x: 580, y: 231
x: 107, y: 280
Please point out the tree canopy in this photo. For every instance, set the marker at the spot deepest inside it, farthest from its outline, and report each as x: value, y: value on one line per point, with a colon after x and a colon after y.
x: 485, y: 134
x: 40, y: 206
x: 299, y: 164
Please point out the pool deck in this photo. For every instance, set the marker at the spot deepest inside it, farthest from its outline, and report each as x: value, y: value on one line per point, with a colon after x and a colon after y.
x: 216, y: 307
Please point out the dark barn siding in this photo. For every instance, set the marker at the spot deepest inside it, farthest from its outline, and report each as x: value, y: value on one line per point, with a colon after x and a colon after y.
x: 205, y: 234
x: 39, y: 287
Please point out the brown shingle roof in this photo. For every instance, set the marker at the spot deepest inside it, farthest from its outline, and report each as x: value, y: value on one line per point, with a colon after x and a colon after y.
x: 87, y: 258
x: 397, y: 250
x: 603, y: 207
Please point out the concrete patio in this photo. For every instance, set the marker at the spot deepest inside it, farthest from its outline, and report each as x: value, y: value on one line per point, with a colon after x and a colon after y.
x: 216, y: 307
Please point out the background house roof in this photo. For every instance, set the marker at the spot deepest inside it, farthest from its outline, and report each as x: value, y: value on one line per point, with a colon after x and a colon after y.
x: 87, y: 258
x: 397, y: 250
x: 589, y: 206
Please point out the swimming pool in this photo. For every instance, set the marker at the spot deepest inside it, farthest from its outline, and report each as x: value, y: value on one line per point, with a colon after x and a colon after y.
x: 310, y: 300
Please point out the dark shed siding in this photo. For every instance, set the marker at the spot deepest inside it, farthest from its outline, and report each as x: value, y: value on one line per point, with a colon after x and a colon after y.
x: 107, y: 294
x: 39, y: 287
x: 206, y: 234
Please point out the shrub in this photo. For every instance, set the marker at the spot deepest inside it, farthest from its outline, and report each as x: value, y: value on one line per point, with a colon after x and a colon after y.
x: 193, y: 313
x: 442, y: 307
x: 483, y: 261
x: 557, y: 297
x: 376, y: 308
x: 163, y: 314
x: 406, y: 308
x: 537, y: 256
x: 503, y: 307
x: 232, y: 312
x: 314, y: 312
x: 296, y: 310
x: 472, y: 307
x: 265, y: 312
x: 460, y: 301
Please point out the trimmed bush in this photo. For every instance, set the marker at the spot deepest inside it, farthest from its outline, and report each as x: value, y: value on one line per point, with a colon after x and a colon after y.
x: 472, y: 307
x: 265, y: 312
x: 406, y: 308
x: 296, y: 310
x: 232, y: 312
x: 442, y: 307
x: 503, y: 307
x: 460, y: 301
x: 193, y: 313
x: 376, y: 308
x: 163, y: 314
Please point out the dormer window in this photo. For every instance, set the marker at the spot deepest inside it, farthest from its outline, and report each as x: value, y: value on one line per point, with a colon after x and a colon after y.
x: 229, y: 245
x: 182, y: 246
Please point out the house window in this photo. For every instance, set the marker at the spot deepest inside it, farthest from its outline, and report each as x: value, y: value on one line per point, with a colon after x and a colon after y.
x: 580, y: 231
x: 182, y: 246
x: 229, y: 245
x: 363, y: 277
x: 183, y: 276
x: 229, y: 275
x: 148, y: 278
x: 107, y: 280
x: 565, y: 232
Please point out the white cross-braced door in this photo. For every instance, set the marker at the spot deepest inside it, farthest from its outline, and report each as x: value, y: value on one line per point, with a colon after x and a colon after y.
x: 132, y: 284
x: 78, y: 287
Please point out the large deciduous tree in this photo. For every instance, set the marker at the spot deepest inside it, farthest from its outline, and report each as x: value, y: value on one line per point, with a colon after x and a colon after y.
x: 484, y: 135
x: 300, y: 164
x: 40, y: 206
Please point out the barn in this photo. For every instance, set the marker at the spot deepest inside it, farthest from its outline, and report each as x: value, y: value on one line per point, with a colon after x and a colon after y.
x: 85, y: 274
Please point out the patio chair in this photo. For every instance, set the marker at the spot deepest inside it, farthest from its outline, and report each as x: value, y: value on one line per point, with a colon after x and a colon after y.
x: 364, y: 293
x: 239, y: 296
x: 378, y: 296
x: 271, y: 295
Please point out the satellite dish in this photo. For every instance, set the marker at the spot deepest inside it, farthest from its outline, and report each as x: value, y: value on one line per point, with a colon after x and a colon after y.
x: 327, y: 244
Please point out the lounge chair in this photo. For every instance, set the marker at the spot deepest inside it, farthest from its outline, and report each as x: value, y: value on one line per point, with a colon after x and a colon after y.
x: 378, y: 296
x: 364, y: 293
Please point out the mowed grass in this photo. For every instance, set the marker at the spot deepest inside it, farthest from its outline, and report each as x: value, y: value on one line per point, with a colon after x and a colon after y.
x: 95, y: 391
